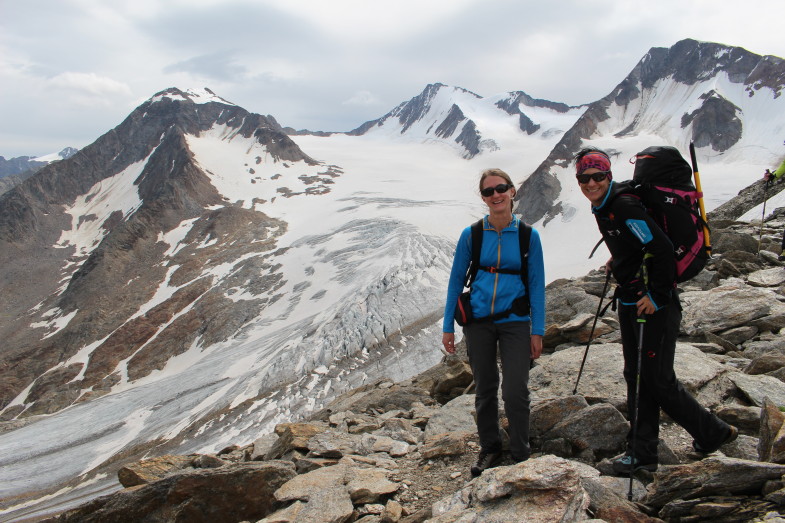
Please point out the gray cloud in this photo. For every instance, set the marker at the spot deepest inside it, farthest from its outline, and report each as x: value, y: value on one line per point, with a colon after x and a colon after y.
x: 70, y: 70
x: 218, y: 66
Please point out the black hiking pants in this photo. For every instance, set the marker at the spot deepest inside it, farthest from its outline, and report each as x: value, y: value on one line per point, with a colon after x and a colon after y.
x: 659, y: 387
x: 512, y: 341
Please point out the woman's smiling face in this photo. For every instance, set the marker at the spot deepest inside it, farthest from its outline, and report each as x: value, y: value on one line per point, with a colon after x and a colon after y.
x: 594, y: 190
x: 498, y: 201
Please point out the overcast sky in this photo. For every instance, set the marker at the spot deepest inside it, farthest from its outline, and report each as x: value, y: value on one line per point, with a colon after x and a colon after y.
x: 70, y: 70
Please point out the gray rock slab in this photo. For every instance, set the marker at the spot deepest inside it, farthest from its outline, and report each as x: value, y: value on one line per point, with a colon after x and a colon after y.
x: 455, y: 415
x: 725, y: 307
x: 758, y: 387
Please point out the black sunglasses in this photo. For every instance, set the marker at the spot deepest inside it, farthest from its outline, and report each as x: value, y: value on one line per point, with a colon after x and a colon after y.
x: 502, y: 187
x: 597, y: 177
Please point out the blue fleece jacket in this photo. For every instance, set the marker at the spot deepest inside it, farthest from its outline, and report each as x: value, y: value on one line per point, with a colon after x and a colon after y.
x: 494, y: 292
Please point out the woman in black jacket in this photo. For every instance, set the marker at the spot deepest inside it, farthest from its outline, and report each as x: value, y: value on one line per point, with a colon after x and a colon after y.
x: 643, y: 264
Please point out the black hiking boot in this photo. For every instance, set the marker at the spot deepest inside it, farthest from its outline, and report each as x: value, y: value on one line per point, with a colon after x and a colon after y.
x: 624, y: 465
x: 486, y: 460
x: 734, y: 433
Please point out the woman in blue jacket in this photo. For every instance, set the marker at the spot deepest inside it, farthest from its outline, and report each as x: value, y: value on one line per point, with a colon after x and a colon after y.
x: 517, y: 337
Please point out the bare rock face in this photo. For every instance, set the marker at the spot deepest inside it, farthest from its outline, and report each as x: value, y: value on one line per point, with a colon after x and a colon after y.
x: 715, y: 123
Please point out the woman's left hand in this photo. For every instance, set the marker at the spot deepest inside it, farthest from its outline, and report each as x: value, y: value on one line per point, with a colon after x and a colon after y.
x: 645, y: 306
x: 536, y: 346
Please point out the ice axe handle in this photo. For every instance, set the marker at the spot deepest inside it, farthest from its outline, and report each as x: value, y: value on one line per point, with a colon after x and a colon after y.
x: 696, y: 174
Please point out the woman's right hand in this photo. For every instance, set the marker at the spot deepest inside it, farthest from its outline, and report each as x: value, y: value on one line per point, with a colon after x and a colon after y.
x: 448, y: 340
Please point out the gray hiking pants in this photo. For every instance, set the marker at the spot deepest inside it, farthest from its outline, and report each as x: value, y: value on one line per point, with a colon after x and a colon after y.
x: 512, y: 341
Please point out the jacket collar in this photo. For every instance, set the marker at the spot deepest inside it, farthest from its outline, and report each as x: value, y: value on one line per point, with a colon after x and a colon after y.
x: 514, y: 223
x: 606, y: 199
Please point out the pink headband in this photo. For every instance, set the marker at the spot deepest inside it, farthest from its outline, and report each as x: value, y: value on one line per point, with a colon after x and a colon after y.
x: 596, y: 160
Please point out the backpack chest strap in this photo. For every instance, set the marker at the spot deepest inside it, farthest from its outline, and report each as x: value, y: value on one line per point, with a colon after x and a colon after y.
x: 497, y: 270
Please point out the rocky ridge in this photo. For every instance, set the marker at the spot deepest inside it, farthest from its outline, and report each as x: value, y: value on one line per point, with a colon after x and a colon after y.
x: 14, y: 171
x: 400, y: 452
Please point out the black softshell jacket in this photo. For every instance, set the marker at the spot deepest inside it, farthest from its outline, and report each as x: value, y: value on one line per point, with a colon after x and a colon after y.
x: 630, y: 233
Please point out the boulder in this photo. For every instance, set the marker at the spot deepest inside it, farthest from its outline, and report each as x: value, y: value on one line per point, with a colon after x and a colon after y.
x: 767, y: 277
x: 766, y: 363
x: 602, y: 378
x: 236, y: 492
x: 757, y: 388
x: 746, y: 419
x: 293, y: 436
x: 728, y: 306
x: 453, y: 382
x: 772, y: 421
x: 738, y: 335
x: 712, y: 476
x: 726, y: 241
x: 600, y: 428
x: 544, y: 489
x: 445, y: 444
x: 456, y: 415
x: 546, y: 414
x: 153, y: 469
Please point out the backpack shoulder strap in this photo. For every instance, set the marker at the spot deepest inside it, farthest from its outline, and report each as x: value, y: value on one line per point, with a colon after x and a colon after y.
x: 474, y: 264
x: 524, y: 235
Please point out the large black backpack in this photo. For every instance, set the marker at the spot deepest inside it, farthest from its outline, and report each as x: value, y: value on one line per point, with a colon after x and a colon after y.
x: 522, y: 306
x: 662, y: 180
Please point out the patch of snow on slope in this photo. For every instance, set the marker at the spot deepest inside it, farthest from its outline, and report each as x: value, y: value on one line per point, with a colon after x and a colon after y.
x: 242, y: 169
x: 116, y: 194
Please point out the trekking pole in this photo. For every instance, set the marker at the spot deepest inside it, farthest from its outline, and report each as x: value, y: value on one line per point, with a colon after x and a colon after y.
x: 763, y: 215
x: 642, y: 321
x: 696, y: 174
x: 591, y: 334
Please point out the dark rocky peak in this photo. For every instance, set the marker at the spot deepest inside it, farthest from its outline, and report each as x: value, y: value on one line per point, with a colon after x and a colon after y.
x: 413, y: 110
x: 690, y: 61
x: 23, y: 164
x: 717, y: 122
x: 134, y: 140
x: 516, y: 98
x: 196, y: 111
x: 67, y: 153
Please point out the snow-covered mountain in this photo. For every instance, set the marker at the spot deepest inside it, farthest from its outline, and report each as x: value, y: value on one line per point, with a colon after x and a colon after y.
x: 197, y: 275
x: 470, y: 123
x: 724, y: 99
